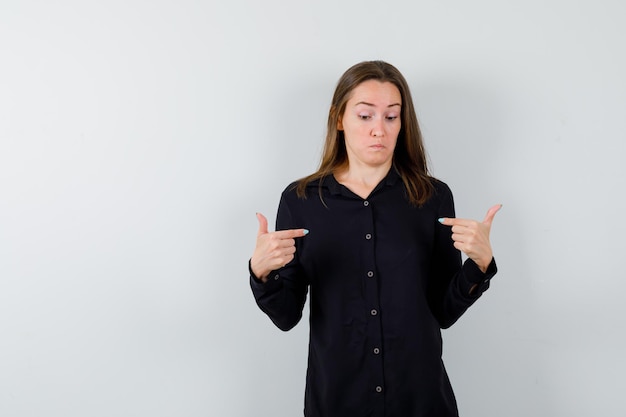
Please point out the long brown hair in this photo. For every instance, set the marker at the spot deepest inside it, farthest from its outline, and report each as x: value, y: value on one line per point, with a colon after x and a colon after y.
x: 409, y: 157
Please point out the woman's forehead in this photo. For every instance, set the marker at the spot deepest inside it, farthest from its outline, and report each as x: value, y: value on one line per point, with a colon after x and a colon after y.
x: 375, y: 92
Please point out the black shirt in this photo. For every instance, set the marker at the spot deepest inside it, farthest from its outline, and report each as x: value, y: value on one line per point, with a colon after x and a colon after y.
x: 384, y: 278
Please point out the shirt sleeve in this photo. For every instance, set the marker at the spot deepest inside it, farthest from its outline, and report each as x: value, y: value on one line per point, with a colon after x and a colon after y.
x: 454, y: 286
x: 283, y: 295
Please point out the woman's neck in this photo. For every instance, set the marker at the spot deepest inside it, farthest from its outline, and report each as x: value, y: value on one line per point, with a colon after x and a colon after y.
x: 362, y: 180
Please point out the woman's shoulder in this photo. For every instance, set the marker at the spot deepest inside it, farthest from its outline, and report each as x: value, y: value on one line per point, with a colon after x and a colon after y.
x: 439, y: 185
x: 440, y: 189
x: 305, y: 184
x: 291, y: 188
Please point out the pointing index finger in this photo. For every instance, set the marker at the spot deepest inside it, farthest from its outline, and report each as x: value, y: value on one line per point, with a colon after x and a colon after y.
x: 291, y: 233
x: 452, y: 221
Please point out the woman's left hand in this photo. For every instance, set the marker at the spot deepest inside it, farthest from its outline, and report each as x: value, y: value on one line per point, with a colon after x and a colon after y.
x: 472, y: 237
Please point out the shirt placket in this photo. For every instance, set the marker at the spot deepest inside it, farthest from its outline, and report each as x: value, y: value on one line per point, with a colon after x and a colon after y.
x: 372, y: 301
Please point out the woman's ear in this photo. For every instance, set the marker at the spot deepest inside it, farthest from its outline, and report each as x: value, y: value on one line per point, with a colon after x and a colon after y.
x: 339, y: 124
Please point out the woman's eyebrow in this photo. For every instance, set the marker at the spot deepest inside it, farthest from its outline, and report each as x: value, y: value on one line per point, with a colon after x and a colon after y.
x: 372, y: 105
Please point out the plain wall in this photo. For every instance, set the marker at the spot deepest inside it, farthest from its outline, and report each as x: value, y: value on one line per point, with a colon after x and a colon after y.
x: 139, y: 138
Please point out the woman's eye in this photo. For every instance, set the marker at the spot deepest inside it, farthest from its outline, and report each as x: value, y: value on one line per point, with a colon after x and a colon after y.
x: 364, y: 116
x: 392, y: 117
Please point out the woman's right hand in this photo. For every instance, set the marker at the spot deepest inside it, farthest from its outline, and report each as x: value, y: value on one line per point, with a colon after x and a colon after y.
x: 273, y: 250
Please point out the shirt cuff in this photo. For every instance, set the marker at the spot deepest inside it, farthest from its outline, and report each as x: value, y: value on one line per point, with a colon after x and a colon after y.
x: 477, y: 279
x: 273, y: 280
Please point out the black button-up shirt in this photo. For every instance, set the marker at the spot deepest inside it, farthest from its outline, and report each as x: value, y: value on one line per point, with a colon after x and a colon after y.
x: 384, y: 278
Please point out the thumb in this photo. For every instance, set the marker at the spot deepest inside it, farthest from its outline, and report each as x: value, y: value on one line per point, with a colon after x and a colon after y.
x: 262, y: 224
x: 491, y: 213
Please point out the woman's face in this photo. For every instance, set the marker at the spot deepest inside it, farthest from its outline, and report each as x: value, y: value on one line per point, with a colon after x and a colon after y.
x: 371, y: 123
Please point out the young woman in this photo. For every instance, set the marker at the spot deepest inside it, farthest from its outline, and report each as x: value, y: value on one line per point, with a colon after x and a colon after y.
x: 382, y: 259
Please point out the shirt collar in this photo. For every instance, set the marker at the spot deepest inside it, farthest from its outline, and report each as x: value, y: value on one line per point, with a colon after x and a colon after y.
x: 335, y: 188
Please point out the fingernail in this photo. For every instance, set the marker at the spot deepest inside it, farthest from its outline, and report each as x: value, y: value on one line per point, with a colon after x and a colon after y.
x: 440, y: 220
x: 306, y: 232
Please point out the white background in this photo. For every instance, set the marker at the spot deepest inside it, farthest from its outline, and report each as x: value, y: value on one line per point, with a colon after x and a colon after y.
x: 138, y: 139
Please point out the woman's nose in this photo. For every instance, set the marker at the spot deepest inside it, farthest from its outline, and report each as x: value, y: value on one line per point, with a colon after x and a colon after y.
x: 377, y: 129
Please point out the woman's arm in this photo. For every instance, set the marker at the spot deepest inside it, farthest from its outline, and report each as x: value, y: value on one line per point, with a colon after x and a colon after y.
x: 455, y: 286
x: 277, y: 282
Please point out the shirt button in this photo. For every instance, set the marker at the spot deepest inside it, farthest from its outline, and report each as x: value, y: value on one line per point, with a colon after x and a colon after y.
x: 276, y: 277
x: 370, y: 273
x: 376, y: 351
x: 373, y: 312
x: 366, y: 203
x: 368, y: 236
x: 379, y: 389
